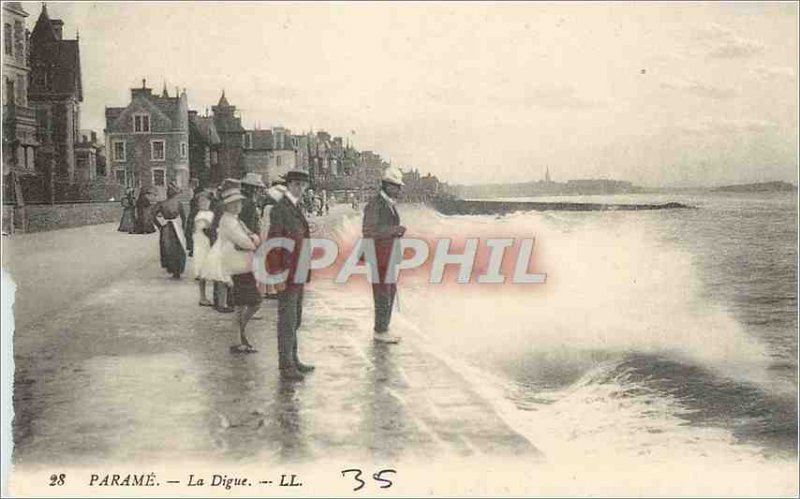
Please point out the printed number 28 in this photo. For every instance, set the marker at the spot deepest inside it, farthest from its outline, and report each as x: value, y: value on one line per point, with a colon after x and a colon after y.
x: 378, y: 477
x: 57, y: 479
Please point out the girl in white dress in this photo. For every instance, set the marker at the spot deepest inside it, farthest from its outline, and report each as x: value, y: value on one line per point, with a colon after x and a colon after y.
x: 202, y: 245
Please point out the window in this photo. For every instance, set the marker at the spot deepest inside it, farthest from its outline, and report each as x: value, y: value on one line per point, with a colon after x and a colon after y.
x: 157, y: 150
x: 8, y: 41
x: 214, y: 157
x: 21, y: 89
x: 19, y: 41
x: 249, y: 140
x: 184, y: 150
x: 141, y: 123
x: 9, y: 95
x: 119, y: 150
x: 277, y: 161
x: 159, y: 177
x: 120, y: 176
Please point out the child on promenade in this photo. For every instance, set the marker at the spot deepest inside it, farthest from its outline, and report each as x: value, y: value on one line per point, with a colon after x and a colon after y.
x: 202, y: 244
x: 213, y: 268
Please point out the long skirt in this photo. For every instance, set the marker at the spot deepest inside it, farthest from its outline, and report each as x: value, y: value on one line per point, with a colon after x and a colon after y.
x: 173, y: 254
x: 245, y: 290
x: 212, y: 269
x: 144, y: 220
x: 126, y: 224
x: 201, y: 249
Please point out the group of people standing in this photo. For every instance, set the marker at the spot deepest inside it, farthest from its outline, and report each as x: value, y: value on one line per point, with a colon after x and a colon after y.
x: 144, y: 215
x: 223, y: 231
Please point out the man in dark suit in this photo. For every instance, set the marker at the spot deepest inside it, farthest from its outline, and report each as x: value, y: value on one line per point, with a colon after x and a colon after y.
x: 286, y: 219
x: 382, y: 225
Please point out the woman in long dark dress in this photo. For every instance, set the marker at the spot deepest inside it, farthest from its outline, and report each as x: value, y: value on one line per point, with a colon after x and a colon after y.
x: 128, y: 221
x: 169, y: 216
x: 144, y: 212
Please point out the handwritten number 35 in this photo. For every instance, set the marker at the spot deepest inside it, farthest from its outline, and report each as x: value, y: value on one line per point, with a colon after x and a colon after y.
x: 378, y: 477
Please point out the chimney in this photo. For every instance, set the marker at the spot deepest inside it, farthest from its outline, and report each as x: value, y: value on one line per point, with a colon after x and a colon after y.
x: 144, y: 91
x: 58, y: 28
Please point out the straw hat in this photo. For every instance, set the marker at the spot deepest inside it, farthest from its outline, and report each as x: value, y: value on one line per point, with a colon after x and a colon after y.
x: 232, y: 195
x: 393, y: 176
x: 254, y: 179
x: 300, y: 175
x: 229, y: 183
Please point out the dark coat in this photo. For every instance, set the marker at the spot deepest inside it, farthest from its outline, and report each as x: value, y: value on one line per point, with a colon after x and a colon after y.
x: 250, y: 215
x: 380, y: 220
x: 218, y: 209
x: 128, y: 221
x: 287, y: 220
x: 144, y: 215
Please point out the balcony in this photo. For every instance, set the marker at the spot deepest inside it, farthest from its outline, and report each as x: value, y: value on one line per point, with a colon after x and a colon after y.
x: 20, y: 114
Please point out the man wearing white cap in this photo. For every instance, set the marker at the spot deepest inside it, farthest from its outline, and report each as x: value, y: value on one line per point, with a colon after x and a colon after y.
x: 382, y: 225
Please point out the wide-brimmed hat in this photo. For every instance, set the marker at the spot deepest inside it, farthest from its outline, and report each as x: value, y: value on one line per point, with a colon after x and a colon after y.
x: 231, y: 195
x: 254, y: 179
x: 278, y: 181
x: 393, y: 176
x: 229, y: 183
x: 300, y: 175
x: 205, y: 193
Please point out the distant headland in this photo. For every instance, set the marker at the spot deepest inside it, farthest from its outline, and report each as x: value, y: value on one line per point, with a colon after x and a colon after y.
x: 757, y: 187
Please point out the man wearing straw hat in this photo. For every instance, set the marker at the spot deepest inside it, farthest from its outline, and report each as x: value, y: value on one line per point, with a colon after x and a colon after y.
x: 382, y: 225
x: 288, y: 221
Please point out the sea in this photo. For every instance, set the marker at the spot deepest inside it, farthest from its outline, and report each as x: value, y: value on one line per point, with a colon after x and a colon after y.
x: 660, y: 336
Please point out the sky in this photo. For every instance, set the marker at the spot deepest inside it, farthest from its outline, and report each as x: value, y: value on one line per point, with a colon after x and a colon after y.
x: 660, y: 94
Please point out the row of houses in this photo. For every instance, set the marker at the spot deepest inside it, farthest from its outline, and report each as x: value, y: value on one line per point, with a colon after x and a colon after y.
x: 153, y: 139
x: 156, y: 138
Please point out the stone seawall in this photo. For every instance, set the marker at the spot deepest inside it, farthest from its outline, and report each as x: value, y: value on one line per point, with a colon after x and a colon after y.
x: 452, y: 206
x: 41, y: 217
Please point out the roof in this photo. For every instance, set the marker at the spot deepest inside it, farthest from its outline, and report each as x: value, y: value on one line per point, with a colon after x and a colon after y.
x: 168, y: 105
x: 204, y: 126
x: 261, y: 139
x: 223, y: 102
x: 43, y: 29
x: 228, y: 124
x: 15, y: 7
x: 62, y: 55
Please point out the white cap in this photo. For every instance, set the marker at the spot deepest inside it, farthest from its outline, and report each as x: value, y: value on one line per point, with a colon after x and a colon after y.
x: 393, y: 175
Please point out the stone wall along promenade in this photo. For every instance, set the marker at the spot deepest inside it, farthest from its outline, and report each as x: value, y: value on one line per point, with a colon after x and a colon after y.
x: 59, y: 216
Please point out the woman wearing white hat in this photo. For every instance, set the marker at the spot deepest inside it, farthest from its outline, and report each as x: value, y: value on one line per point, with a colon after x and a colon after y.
x: 250, y: 214
x: 237, y: 244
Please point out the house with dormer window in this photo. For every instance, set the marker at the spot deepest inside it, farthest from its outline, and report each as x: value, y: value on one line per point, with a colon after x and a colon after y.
x: 148, y: 140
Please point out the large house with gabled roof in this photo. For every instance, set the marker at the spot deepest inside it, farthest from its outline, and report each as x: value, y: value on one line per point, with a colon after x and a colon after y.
x: 148, y: 140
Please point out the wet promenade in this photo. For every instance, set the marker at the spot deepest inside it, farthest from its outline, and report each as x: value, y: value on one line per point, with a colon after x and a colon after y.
x: 115, y: 362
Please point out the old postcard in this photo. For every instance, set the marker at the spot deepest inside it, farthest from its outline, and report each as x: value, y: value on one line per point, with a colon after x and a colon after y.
x: 399, y: 249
